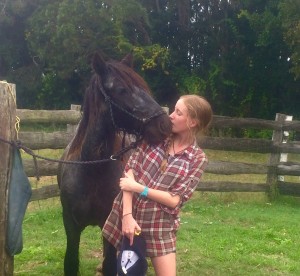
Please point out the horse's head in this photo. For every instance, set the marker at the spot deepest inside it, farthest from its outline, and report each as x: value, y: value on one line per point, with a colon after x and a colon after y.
x: 129, y: 101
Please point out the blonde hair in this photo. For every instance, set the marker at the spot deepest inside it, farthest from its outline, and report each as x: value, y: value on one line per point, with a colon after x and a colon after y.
x: 199, y: 109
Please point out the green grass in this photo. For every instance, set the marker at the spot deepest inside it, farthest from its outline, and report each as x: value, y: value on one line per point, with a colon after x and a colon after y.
x: 239, y: 238
x: 218, y: 236
x: 44, y: 242
x: 220, y: 233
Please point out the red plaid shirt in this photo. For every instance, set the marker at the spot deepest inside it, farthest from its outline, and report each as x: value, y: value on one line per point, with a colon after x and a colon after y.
x: 158, y: 222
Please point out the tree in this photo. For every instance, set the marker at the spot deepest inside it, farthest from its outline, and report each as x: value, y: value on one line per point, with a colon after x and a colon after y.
x: 290, y: 20
x: 73, y: 30
x: 242, y: 55
x: 16, y: 65
x: 70, y: 33
x: 265, y: 78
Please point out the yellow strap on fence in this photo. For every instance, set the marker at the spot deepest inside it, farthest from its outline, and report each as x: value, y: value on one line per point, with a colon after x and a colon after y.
x: 17, y: 126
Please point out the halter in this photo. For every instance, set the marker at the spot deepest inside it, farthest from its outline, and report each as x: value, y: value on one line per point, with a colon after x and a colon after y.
x: 143, y: 121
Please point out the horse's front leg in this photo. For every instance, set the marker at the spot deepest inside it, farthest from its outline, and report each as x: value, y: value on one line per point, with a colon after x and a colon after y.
x: 109, y: 264
x: 73, y: 232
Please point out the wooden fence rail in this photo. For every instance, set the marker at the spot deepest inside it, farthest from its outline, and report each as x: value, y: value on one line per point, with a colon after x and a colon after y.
x: 73, y: 117
x: 49, y: 168
x: 59, y: 139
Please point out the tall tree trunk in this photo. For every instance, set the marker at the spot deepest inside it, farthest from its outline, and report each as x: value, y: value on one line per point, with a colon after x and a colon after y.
x: 184, y: 7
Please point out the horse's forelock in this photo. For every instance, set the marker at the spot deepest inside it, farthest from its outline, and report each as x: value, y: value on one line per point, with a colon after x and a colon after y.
x: 93, y: 102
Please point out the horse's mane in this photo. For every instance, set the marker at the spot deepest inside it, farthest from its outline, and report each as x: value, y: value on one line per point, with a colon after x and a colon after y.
x: 94, y: 103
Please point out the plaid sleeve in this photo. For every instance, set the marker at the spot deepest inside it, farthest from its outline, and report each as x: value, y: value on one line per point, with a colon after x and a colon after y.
x: 135, y: 160
x: 186, y: 186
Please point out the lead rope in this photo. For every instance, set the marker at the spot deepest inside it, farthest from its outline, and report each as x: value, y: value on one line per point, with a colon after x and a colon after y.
x: 114, y: 157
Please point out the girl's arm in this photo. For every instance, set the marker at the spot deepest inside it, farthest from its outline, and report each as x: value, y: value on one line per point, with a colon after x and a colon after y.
x: 127, y: 198
x: 129, y: 225
x: 129, y: 184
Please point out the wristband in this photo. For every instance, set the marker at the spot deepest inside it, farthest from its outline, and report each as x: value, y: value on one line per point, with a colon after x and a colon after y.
x: 145, y: 192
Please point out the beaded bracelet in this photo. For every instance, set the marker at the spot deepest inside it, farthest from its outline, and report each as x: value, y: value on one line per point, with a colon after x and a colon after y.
x: 145, y: 192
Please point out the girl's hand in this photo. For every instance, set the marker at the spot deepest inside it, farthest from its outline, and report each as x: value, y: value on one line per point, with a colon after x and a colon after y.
x: 130, y: 227
x: 128, y: 183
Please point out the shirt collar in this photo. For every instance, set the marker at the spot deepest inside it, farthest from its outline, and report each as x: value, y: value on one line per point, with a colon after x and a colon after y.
x: 189, y: 152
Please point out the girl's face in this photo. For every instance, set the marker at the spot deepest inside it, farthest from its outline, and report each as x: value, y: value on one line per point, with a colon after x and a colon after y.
x: 181, y: 122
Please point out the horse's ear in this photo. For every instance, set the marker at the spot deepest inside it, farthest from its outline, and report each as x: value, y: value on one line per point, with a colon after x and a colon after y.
x: 99, y: 64
x: 128, y: 60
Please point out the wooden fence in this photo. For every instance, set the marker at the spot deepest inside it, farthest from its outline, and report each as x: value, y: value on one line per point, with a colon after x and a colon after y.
x: 273, y: 169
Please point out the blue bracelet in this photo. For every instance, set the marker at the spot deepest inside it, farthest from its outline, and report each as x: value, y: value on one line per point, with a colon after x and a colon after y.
x: 144, y: 192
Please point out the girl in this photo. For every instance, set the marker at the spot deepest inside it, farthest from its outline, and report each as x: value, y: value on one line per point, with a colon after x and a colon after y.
x: 158, y: 180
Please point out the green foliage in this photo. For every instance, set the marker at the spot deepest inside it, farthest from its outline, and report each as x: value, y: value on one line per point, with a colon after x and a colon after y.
x: 27, y: 79
x: 131, y: 19
x: 241, y: 55
x: 189, y: 83
x: 152, y: 57
x: 261, y: 134
x: 53, y: 93
x: 70, y: 34
x: 254, y: 74
x: 290, y: 20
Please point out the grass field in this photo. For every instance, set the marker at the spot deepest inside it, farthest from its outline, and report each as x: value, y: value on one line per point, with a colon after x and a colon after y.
x: 220, y: 233
x: 218, y: 236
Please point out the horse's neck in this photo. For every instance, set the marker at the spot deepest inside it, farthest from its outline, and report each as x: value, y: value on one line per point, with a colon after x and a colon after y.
x: 99, y: 141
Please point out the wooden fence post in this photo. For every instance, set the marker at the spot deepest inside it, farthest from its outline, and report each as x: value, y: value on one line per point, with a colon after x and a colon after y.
x: 7, y: 132
x: 72, y: 128
x: 283, y: 155
x: 272, y: 177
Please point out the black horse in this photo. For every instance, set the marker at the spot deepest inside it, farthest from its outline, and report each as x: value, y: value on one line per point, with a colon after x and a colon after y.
x: 117, y: 101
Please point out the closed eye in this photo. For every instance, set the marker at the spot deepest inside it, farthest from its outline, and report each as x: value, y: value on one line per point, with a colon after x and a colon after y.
x: 121, y: 91
x: 178, y: 112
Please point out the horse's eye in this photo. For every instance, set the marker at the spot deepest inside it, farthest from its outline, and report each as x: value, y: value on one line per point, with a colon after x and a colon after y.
x: 121, y: 91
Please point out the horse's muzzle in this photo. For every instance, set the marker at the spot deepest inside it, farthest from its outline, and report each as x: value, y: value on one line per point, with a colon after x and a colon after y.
x: 158, y: 129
